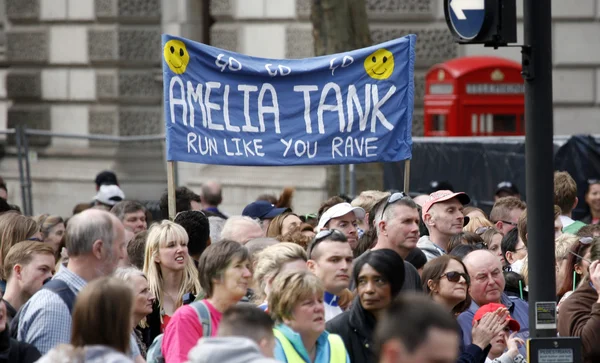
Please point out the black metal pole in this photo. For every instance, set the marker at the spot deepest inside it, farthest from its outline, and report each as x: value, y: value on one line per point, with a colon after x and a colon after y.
x: 537, y: 71
x: 18, y: 141
x: 342, y: 179
x: 29, y: 209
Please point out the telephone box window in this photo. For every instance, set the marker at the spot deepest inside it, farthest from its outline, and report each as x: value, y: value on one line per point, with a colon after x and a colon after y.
x: 505, y: 123
x: 438, y: 122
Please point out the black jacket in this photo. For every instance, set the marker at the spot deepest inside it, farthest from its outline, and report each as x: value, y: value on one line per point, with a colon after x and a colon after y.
x: 356, y: 327
x: 471, y: 353
x: 153, y: 325
x: 13, y: 351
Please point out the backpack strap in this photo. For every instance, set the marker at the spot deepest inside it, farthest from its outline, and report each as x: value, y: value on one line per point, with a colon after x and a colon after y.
x: 203, y: 317
x: 61, y: 288
x: 57, y: 286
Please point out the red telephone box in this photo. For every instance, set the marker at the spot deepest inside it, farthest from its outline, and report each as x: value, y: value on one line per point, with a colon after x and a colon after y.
x: 475, y: 96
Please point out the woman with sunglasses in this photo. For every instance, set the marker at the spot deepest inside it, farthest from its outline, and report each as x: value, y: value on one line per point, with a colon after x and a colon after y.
x: 579, y: 314
x: 445, y: 279
x: 592, y: 199
x: 378, y: 282
x: 576, y: 267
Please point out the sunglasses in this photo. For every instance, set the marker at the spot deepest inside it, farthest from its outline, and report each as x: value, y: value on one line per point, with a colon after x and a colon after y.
x: 393, y: 199
x: 580, y: 257
x: 481, y: 246
x: 593, y: 181
x: 454, y: 276
x: 481, y: 230
x: 334, y: 234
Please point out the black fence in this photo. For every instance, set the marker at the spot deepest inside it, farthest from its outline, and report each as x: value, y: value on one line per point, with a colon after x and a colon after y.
x: 477, y: 165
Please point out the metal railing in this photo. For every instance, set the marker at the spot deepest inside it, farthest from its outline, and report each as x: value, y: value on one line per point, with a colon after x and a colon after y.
x: 22, y: 134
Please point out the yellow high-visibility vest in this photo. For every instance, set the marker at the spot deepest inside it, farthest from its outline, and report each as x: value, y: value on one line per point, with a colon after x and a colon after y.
x: 337, y: 350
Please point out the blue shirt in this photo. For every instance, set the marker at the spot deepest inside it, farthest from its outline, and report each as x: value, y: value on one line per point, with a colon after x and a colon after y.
x: 330, y: 303
x: 519, y: 310
x: 45, y: 320
x: 264, y: 306
x: 294, y: 338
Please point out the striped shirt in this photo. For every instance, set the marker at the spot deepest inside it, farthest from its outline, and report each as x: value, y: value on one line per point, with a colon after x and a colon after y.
x: 45, y: 320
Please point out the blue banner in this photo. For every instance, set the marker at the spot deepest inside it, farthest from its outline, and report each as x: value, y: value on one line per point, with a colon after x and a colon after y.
x: 227, y: 108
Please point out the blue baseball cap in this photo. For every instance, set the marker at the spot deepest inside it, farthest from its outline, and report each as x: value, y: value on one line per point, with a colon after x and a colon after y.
x: 262, y: 209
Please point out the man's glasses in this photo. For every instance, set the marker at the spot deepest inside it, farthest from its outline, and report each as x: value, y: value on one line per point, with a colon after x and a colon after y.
x: 507, y: 222
x: 333, y: 234
x: 454, y: 276
x: 393, y: 199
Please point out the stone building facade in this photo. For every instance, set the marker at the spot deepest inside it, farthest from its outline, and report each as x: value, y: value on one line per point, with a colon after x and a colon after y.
x: 94, y: 67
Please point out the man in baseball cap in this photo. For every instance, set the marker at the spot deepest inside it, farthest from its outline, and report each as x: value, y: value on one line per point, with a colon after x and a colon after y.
x: 263, y: 211
x: 443, y: 216
x: 108, y: 196
x: 106, y: 177
x: 506, y: 189
x: 343, y: 217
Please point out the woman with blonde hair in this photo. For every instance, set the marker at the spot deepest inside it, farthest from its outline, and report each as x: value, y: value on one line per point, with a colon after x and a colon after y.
x: 101, y: 327
x: 143, y: 300
x: 171, y: 274
x: 476, y: 223
x: 270, y: 262
x: 52, y: 228
x: 562, y: 245
x: 296, y: 305
x: 14, y: 228
x: 283, y: 224
x: 493, y: 240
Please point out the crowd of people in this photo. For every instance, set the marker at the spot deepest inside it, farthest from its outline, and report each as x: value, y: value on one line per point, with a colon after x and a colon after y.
x: 383, y: 277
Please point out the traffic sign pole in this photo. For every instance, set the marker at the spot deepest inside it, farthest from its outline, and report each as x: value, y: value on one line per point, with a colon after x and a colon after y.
x: 537, y: 72
x: 498, y: 28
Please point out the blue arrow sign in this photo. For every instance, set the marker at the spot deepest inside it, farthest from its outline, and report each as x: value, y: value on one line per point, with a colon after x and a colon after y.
x: 466, y: 17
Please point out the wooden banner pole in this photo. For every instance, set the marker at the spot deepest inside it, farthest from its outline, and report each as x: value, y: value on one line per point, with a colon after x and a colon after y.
x: 406, y: 175
x: 171, y: 188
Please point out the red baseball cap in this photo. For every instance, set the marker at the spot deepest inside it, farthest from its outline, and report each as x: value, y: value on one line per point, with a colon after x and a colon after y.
x: 513, y: 325
x: 444, y: 195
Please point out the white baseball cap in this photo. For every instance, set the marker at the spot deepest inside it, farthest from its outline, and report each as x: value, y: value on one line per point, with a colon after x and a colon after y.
x: 109, y: 195
x: 339, y: 210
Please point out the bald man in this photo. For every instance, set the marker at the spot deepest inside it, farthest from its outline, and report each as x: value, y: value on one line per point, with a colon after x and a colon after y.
x: 211, y: 197
x: 487, y: 286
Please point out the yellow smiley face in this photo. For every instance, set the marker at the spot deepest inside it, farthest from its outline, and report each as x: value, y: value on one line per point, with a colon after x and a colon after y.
x: 176, y: 56
x: 380, y: 64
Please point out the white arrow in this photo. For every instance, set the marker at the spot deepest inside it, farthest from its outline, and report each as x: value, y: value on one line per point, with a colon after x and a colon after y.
x: 458, y: 6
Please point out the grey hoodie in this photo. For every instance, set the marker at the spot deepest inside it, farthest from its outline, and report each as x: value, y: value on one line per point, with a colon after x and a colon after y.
x: 430, y: 250
x: 89, y: 354
x: 227, y: 350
